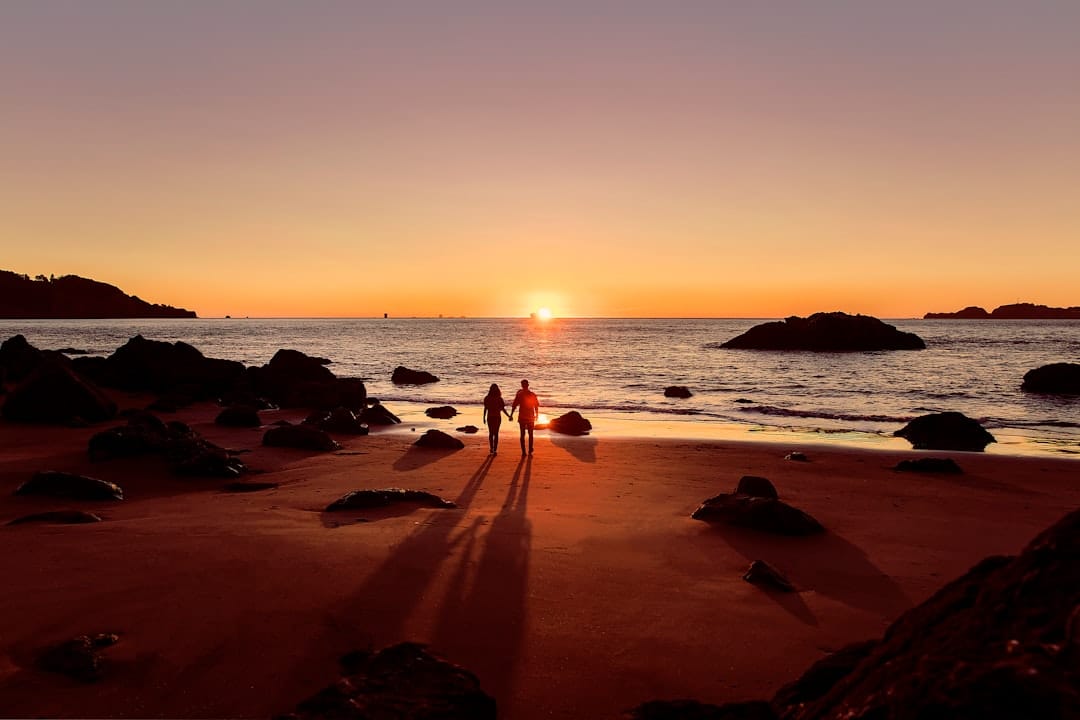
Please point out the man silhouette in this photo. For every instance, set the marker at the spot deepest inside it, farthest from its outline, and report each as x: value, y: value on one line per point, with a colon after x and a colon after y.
x: 530, y: 410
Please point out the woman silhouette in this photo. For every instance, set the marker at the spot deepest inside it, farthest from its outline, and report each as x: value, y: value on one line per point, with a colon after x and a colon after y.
x: 494, y: 408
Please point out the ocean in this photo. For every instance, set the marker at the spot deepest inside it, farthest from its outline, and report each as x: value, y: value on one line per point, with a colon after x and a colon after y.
x: 614, y: 372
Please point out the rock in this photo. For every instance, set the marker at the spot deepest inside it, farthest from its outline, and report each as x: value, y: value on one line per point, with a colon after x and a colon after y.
x: 238, y: 416
x: 439, y: 440
x: 677, y: 391
x: 19, y: 358
x: 378, y: 415
x: 53, y: 393
x: 694, y: 710
x: 797, y: 457
x: 764, y: 574
x: 929, y: 465
x: 246, y: 487
x: 1054, y: 379
x: 339, y: 420
x: 186, y: 452
x: 366, y: 499
x: 293, y: 379
x: 764, y: 514
x: 76, y: 658
x: 468, y: 429
x: 443, y: 412
x: 744, y: 401
x: 755, y: 486
x: 303, y: 437
x: 61, y: 517
x: 405, y: 376
x: 570, y: 424
x: 998, y: 643
x: 971, y: 312
x: 946, y: 431
x: 404, y: 682
x: 63, y: 484
x: 142, y: 365
x: 826, y: 332
x: 822, y: 676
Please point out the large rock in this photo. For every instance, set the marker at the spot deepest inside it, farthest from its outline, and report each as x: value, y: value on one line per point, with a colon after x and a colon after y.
x: 677, y: 391
x: 69, y: 485
x: 367, y: 499
x: 763, y: 574
x: 756, y: 486
x: 339, y: 420
x: 439, y: 440
x: 572, y: 423
x: 403, y: 682
x: 999, y: 643
x: 443, y: 412
x: 238, y: 416
x: 377, y: 414
x: 303, y: 437
x: 53, y: 393
x: 19, y: 358
x: 404, y: 376
x: 186, y: 452
x: 765, y: 514
x: 1054, y: 379
x: 78, y: 658
x: 293, y: 379
x: 143, y: 365
x: 822, y: 676
x: 946, y: 431
x: 826, y: 332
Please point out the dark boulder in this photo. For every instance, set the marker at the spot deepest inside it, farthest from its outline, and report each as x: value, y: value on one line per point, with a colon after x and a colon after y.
x: 468, y: 429
x: 443, y: 412
x: 405, y: 376
x: 53, y: 393
x: 339, y: 420
x: 60, y: 517
x: 763, y: 574
x: 1055, y: 379
x: 299, y: 367
x: 764, y: 514
x: 186, y: 452
x: 78, y: 658
x: 367, y: 499
x: 694, y: 710
x: 572, y: 423
x: 378, y: 415
x: 797, y: 457
x: 1000, y: 642
x: 143, y: 365
x: 946, y: 431
x: 439, y: 440
x: 677, y: 391
x: 822, y: 676
x: 755, y: 486
x: 303, y: 437
x: 404, y: 682
x: 69, y: 485
x: 826, y: 332
x: 293, y: 379
x: 929, y: 465
x: 238, y: 416
x: 144, y: 434
x: 19, y: 358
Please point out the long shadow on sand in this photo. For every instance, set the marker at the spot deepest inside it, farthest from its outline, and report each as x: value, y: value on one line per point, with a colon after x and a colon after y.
x: 827, y: 564
x: 483, y: 613
x: 417, y: 457
x: 583, y: 448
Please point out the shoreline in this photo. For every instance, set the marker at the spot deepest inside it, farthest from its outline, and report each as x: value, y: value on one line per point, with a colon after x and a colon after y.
x: 573, y: 582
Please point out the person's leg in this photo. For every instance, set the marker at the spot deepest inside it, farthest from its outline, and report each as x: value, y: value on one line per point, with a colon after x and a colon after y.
x: 494, y: 438
x: 530, y: 439
x: 522, y: 426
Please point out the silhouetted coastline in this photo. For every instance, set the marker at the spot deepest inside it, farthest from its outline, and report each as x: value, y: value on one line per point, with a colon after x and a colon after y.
x: 71, y: 296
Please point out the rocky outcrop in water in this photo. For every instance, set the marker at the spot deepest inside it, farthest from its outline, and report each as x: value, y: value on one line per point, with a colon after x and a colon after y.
x: 572, y: 423
x: 826, y: 332
x: 946, y: 431
x: 404, y: 376
x: 443, y: 412
x: 1016, y: 311
x: 1053, y: 379
x: 677, y: 391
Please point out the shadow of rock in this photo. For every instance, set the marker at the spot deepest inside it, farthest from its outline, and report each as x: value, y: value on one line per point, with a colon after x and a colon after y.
x: 826, y: 564
x: 583, y: 447
x: 417, y: 457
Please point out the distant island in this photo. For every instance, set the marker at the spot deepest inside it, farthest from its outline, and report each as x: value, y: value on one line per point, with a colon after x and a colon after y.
x: 71, y: 296
x: 1017, y: 311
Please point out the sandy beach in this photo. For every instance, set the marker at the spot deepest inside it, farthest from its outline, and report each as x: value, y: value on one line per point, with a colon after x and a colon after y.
x: 573, y: 582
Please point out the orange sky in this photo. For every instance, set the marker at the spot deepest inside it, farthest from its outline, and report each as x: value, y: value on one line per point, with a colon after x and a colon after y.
x: 601, y: 159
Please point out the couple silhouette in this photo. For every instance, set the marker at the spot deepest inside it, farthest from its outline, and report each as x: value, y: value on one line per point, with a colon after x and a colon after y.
x: 495, y: 408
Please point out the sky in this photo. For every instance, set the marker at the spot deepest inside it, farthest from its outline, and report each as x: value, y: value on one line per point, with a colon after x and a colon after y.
x: 675, y: 158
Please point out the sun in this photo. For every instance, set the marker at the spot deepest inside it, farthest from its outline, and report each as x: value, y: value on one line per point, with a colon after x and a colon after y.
x: 543, y: 314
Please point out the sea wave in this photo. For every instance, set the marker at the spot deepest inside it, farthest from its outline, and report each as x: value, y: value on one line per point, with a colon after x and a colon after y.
x: 822, y: 415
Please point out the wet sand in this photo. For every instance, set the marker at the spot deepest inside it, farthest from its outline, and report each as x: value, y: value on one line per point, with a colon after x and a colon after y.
x: 573, y: 583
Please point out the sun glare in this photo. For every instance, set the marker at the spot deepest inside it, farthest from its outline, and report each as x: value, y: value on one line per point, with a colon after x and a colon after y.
x: 543, y: 314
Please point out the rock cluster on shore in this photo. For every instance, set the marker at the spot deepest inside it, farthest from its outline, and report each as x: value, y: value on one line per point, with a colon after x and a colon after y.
x: 755, y: 504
